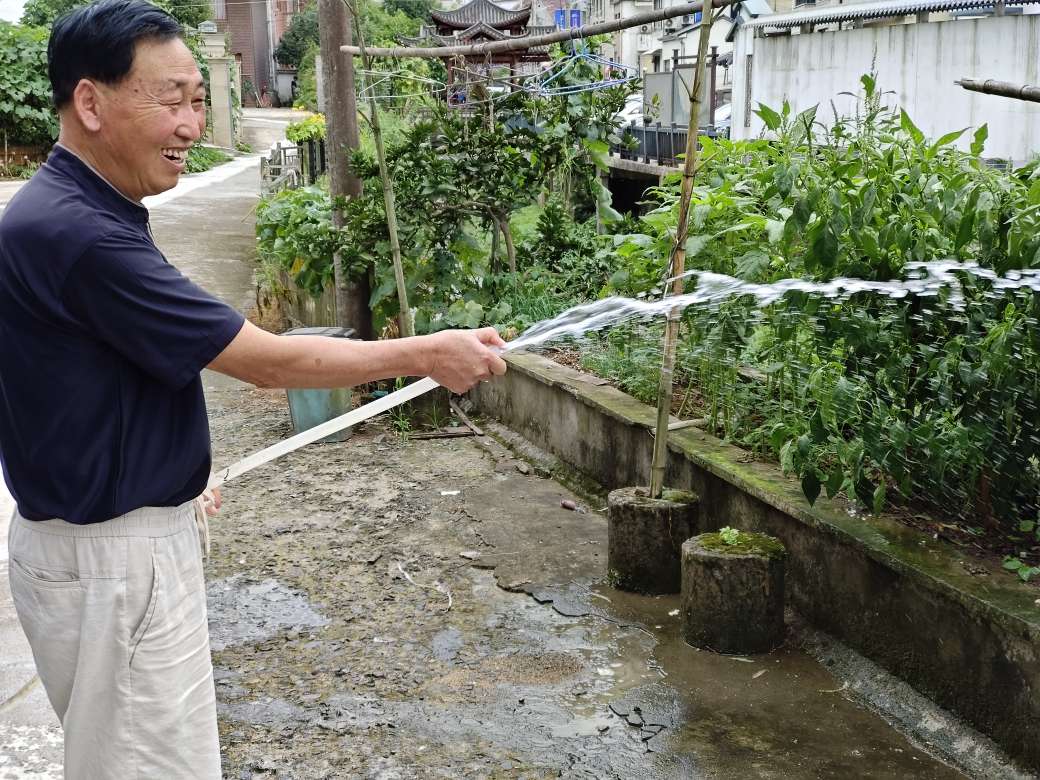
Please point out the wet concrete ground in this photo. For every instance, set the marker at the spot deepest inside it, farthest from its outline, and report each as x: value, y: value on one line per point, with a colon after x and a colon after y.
x: 389, y: 608
x: 340, y: 652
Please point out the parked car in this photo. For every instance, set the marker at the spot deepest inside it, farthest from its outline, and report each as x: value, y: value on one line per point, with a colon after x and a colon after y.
x: 633, y: 111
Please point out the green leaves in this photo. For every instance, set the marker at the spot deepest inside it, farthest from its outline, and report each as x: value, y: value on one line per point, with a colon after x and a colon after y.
x: 965, y: 231
x: 978, y: 142
x: 909, y: 127
x: 729, y: 535
x: 769, y: 116
x: 312, y: 128
x: 26, y: 115
x: 465, y: 314
x: 752, y: 264
x: 811, y: 487
x: 1021, y: 568
x: 823, y: 249
x: 599, y: 152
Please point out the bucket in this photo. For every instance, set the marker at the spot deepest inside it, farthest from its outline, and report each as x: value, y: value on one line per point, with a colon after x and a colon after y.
x: 311, y: 407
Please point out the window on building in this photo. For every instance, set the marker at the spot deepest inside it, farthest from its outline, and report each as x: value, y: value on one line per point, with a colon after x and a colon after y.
x: 219, y: 9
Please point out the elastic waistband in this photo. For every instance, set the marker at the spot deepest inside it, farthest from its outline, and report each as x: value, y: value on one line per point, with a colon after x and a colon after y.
x: 147, y: 521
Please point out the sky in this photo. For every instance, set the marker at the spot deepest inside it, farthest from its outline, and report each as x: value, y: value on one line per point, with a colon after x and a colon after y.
x: 11, y: 10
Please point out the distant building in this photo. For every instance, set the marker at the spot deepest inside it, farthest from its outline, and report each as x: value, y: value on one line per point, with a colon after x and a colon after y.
x: 476, y: 22
x: 255, y: 28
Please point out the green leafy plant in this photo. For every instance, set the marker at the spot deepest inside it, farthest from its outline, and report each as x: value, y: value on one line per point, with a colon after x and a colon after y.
x: 26, y: 115
x: 202, y: 158
x: 730, y: 536
x: 311, y: 128
x: 731, y: 541
x: 1024, y: 571
x: 887, y: 401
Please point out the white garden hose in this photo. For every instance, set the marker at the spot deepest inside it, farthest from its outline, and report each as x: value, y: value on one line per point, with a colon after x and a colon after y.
x: 311, y: 435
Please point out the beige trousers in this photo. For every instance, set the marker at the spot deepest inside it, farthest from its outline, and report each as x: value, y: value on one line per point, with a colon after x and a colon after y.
x: 115, y: 614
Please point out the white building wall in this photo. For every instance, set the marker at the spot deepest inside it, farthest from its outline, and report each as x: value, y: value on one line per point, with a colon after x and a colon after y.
x: 916, y: 63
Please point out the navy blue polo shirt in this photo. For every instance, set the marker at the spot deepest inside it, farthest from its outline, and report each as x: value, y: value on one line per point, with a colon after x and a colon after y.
x: 101, y: 345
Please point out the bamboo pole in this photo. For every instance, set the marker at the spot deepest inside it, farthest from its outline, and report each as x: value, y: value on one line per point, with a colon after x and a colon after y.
x: 678, y: 265
x: 1002, y: 88
x: 533, y: 41
x: 389, y: 201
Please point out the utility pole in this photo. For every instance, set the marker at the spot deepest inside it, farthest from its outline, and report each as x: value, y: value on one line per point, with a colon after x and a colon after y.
x: 334, y: 31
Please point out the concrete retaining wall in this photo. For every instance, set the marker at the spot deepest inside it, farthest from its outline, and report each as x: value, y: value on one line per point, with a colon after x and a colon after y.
x: 972, y: 643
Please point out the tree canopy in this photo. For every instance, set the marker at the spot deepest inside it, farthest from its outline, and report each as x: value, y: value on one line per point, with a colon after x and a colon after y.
x: 42, y: 13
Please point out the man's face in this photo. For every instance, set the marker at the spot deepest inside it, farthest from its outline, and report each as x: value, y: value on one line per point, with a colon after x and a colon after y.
x: 151, y: 118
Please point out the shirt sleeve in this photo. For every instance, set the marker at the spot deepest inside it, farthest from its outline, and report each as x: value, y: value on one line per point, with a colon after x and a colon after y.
x: 125, y: 293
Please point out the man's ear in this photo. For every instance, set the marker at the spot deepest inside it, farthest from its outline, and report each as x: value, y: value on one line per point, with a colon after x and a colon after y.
x: 87, y: 105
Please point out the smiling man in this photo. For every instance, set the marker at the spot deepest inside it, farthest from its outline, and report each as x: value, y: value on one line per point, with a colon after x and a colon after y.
x: 104, y: 439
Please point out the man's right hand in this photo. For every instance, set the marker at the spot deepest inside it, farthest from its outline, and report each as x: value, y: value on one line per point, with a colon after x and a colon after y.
x: 461, y: 358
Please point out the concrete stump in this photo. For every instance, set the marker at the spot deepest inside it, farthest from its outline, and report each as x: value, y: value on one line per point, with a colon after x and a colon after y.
x: 733, y: 592
x: 645, y: 537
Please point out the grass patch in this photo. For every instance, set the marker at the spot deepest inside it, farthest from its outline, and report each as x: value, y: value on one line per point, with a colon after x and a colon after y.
x: 202, y: 158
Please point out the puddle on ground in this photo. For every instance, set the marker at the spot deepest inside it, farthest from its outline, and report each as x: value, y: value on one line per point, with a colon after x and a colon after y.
x: 587, y: 697
x: 242, y: 611
x: 446, y: 644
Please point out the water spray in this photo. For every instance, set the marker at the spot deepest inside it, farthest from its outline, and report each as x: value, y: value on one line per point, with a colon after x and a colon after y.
x: 925, y: 279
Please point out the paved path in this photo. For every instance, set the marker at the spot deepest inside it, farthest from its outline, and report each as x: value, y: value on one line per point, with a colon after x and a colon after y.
x: 8, y: 187
x: 205, y: 226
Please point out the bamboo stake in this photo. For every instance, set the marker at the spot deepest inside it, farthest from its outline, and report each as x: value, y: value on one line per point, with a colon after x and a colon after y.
x: 678, y: 265
x: 1002, y: 88
x: 533, y: 41
x: 407, y: 329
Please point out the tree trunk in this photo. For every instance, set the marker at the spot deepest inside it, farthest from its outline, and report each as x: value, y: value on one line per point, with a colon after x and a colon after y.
x: 334, y: 29
x: 678, y: 266
x: 507, y: 234
x: 496, y: 229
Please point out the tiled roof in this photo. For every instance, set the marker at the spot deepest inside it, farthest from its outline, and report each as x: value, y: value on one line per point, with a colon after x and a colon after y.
x: 432, y: 40
x: 482, y: 11
x: 872, y: 10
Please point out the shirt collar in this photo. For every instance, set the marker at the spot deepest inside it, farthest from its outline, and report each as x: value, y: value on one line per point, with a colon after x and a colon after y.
x: 68, y: 162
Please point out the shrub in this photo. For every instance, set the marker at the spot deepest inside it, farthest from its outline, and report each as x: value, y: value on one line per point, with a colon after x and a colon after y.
x: 26, y: 115
x: 310, y: 129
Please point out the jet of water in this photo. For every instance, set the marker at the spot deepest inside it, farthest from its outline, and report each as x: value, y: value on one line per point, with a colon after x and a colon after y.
x: 923, y: 279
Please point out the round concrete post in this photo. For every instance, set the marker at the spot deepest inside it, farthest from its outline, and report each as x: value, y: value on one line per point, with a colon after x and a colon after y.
x: 733, y: 592
x: 645, y: 537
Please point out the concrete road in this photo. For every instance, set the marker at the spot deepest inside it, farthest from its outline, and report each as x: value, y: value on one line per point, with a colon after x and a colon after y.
x: 8, y: 187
